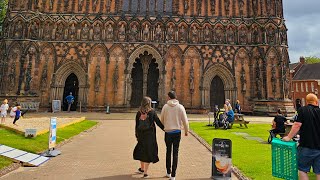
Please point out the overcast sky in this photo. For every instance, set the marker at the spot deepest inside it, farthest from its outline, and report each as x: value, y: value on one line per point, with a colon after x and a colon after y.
x: 303, y: 23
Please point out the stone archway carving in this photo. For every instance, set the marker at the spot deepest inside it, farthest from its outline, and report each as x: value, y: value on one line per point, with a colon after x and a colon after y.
x: 228, y: 81
x: 61, y: 76
x: 159, y: 60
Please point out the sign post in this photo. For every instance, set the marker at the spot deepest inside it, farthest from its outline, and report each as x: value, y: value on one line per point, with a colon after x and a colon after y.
x: 221, y: 158
x: 52, y: 152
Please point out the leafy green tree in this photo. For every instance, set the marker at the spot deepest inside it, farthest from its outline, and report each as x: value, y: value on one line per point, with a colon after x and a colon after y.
x: 3, y: 11
x: 312, y: 59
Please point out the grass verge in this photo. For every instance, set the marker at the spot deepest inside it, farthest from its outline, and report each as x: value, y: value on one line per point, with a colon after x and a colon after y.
x: 40, y: 143
x: 250, y: 156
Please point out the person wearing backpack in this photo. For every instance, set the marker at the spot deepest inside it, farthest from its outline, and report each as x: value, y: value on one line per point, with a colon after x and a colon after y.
x: 146, y: 150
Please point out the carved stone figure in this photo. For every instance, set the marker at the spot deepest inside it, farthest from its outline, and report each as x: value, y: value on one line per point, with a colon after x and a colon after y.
x: 97, y: 32
x: 66, y: 5
x: 271, y: 35
x: 194, y: 34
x: 241, y: 7
x: 243, y: 37
x: 116, y: 78
x: 146, y: 31
x: 283, y: 36
x: 219, y: 35
x: 186, y: 6
x: 122, y: 33
x: 134, y: 32
x: 279, y: 8
x: 18, y: 30
x: 191, y: 80
x: 34, y: 32
x: 182, y: 34
x: 158, y: 33
x: 227, y: 6
x: 243, y: 80
x: 269, y: 7
x: 110, y: 32
x: 97, y: 78
x: 73, y: 32
x: 206, y: 34
x: 255, y: 36
x: 170, y: 34
x: 12, y: 76
x: 85, y: 32
x: 255, y: 7
x: 47, y: 32
x: 44, y: 77
x: 173, y: 79
x: 94, y: 5
x: 213, y: 6
x: 80, y: 5
x: 199, y: 7
x: 60, y: 31
x: 230, y: 35
x: 51, y: 4
x: 36, y: 4
x: 274, y: 80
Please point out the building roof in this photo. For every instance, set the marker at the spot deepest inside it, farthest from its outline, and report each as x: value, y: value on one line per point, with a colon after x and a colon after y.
x: 308, y: 72
x: 292, y: 66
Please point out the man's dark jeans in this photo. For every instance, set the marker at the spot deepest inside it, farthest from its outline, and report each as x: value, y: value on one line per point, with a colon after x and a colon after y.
x: 172, y: 140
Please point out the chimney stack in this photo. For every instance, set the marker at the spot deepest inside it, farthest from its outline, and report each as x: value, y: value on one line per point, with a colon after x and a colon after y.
x: 302, y: 60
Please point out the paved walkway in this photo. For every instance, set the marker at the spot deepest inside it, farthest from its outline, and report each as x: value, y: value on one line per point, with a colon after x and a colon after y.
x: 106, y: 153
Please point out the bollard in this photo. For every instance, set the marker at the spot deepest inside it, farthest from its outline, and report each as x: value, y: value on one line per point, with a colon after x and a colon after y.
x: 108, y: 110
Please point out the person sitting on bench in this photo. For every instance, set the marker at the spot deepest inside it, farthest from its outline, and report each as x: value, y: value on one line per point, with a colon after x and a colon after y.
x: 278, y: 124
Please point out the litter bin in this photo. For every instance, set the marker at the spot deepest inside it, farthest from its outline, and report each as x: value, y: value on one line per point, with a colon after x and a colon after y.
x: 154, y: 104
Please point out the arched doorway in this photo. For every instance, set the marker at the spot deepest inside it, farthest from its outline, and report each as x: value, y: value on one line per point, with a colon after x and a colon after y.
x: 71, y: 85
x: 217, y: 93
x: 145, y: 79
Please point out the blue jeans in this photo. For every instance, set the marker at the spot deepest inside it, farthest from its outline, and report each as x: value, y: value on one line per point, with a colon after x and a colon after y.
x: 308, y: 158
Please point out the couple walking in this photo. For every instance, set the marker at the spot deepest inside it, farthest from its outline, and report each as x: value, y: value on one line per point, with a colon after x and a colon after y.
x: 173, y: 117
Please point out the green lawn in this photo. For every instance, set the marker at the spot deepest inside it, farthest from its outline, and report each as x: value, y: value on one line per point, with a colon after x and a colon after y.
x: 40, y: 143
x: 250, y: 156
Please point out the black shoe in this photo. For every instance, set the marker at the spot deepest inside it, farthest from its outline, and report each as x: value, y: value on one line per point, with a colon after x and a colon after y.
x: 140, y: 171
x: 145, y: 176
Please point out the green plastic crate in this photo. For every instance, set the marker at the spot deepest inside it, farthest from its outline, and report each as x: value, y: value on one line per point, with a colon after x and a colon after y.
x: 284, y: 159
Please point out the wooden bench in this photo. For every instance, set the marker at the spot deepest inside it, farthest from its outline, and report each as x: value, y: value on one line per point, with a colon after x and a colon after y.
x: 239, y: 119
x: 30, y: 106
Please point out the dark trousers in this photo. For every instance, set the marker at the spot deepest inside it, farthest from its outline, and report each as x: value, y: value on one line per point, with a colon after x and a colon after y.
x: 172, y: 141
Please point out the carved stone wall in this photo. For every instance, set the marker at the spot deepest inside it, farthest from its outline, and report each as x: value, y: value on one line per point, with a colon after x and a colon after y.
x: 192, y: 41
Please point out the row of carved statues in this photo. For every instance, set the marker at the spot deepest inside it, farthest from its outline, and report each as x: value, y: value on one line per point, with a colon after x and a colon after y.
x: 148, y: 33
x: 200, y: 7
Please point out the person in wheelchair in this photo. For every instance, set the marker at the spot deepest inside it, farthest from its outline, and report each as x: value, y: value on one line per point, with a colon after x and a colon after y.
x: 278, y: 125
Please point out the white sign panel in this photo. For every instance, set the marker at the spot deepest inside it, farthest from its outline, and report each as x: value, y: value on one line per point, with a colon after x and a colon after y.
x: 53, y: 132
x: 56, y: 106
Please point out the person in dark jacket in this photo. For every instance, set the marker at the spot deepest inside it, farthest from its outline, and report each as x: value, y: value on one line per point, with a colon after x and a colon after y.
x: 278, y: 124
x: 146, y: 150
x: 238, y: 107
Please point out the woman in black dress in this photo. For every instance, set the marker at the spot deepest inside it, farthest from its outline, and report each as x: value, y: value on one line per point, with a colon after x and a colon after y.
x: 146, y: 150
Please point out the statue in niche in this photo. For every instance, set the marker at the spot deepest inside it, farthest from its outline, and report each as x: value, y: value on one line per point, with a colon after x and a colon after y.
x: 73, y: 31
x: 80, y: 5
x: 51, y: 4
x: 134, y: 32
x: 146, y: 31
x: 227, y: 6
x: 283, y: 36
x: 44, y: 77
x: 279, y: 8
x: 12, y: 76
x: 255, y: 36
x: 243, y: 80
x: 108, y: 5
x: 60, y: 31
x: 241, y: 7
x: 66, y: 5
x: 18, y: 30
x: 274, y: 80
x: 110, y: 32
x: 219, y: 35
x: 213, y: 6
x: 230, y: 35
x: 85, y: 32
x: 158, y: 33
x: 182, y: 34
x: 28, y: 78
x: 47, y: 31
x: 271, y: 35
x: 34, y: 31
x: 116, y: 78
x: 269, y: 7
x: 94, y: 5
x: 243, y: 35
x: 36, y: 4
x: 194, y: 34
x: 97, y: 32
x: 122, y: 33
x: 186, y: 6
x: 259, y: 88
x: 255, y: 7
x: 97, y: 78
x: 191, y: 80
x: 170, y: 35
x: 173, y: 79
x: 199, y: 7
x: 206, y: 34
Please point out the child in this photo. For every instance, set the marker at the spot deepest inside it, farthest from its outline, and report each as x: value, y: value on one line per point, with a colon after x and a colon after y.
x: 13, y: 111
x: 4, y: 108
x: 18, y: 115
x: 278, y: 124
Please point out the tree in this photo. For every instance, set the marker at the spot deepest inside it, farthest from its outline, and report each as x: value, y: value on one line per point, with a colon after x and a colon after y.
x: 3, y: 11
x: 312, y: 59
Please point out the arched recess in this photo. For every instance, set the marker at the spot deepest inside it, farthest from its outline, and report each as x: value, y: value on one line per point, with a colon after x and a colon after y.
x: 159, y: 60
x: 273, y: 75
x: 227, y: 79
x: 13, y: 69
x: 60, y: 78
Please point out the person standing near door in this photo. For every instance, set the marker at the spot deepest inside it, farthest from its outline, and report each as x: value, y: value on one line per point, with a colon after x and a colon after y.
x: 70, y: 100
x: 173, y: 117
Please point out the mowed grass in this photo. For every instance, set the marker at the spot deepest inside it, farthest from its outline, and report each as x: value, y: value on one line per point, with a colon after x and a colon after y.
x: 40, y: 143
x: 250, y: 156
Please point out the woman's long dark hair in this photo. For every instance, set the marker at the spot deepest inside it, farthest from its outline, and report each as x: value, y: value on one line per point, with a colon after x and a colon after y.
x: 145, y: 104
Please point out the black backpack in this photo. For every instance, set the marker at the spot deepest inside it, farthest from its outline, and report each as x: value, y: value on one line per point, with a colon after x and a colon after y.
x: 144, y: 122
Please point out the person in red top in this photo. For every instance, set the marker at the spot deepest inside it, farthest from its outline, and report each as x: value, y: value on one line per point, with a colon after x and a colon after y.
x: 308, y: 126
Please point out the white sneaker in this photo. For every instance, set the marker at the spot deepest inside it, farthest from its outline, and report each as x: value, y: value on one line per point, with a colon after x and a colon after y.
x: 168, y: 175
x: 173, y: 178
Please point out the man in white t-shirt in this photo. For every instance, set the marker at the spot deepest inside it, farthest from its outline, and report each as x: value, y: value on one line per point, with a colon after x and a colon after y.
x: 4, y: 108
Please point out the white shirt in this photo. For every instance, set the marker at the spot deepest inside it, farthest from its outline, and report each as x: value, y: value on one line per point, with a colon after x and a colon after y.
x: 4, y: 108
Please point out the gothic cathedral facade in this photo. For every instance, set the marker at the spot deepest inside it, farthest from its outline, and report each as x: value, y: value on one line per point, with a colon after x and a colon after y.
x: 114, y: 52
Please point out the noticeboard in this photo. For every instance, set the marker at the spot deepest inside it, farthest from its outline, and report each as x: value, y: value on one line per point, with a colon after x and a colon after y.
x: 221, y: 158
x: 53, y: 132
x: 56, y: 106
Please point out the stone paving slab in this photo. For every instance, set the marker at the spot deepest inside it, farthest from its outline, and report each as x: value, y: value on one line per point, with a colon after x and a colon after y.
x: 106, y: 153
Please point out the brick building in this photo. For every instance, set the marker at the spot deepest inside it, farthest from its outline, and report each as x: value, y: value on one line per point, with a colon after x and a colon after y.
x: 305, y: 80
x: 114, y: 52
